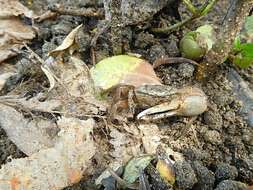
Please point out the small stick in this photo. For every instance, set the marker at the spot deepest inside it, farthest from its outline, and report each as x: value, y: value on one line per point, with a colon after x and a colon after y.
x: 86, y: 12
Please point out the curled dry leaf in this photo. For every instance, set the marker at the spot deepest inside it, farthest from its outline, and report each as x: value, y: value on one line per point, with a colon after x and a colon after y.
x: 67, y: 42
x: 56, y: 167
x: 13, y: 33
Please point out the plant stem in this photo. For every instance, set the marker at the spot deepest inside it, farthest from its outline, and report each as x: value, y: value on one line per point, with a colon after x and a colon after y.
x: 173, y: 27
x: 190, y: 6
x: 207, y: 7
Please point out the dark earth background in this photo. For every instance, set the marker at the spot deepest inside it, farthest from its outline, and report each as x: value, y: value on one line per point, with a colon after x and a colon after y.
x: 219, y: 145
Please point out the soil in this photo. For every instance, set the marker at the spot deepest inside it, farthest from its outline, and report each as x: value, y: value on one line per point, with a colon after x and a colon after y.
x: 218, y: 146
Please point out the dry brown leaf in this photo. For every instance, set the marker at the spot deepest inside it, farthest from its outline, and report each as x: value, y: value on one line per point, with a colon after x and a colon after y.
x: 13, y: 8
x: 56, y: 167
x: 125, y: 146
x: 3, y: 79
x: 74, y: 87
x: 30, y: 136
x: 6, y: 71
x: 13, y: 33
x: 67, y: 42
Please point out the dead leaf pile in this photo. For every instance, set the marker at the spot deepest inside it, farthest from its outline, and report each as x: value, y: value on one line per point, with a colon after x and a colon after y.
x: 13, y: 32
x: 56, y: 167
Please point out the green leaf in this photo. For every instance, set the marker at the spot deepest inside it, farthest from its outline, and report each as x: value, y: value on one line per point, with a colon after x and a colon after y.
x: 244, y: 57
x: 124, y: 70
x: 133, y: 167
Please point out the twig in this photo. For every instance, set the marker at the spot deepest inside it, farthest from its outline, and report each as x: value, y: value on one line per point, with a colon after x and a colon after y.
x: 230, y: 28
x: 86, y: 12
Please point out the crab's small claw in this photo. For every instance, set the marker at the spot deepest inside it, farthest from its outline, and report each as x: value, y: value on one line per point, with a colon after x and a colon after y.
x: 190, y: 101
x: 163, y: 110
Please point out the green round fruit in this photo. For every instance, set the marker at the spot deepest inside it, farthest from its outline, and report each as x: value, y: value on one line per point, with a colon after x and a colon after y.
x: 190, y: 48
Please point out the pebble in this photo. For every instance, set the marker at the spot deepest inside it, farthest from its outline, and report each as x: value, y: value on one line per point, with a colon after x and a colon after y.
x: 225, y: 171
x: 186, y: 70
x: 185, y: 175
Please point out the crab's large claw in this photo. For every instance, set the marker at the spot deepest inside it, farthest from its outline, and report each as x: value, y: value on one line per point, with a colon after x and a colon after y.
x: 189, y: 101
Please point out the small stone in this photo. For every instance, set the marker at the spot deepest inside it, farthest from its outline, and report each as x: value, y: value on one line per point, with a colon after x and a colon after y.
x: 213, y: 137
x: 186, y: 70
x: 225, y: 171
x: 156, y: 51
x: 231, y: 185
x: 171, y: 47
x: 185, y: 175
x: 205, y: 177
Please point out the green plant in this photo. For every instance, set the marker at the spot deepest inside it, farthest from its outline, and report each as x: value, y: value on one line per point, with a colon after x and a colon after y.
x: 242, y: 53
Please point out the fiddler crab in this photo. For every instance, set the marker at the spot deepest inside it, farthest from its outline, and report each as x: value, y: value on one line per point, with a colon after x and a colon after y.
x: 140, y: 89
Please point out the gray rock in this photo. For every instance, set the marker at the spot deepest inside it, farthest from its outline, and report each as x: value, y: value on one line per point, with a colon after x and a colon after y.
x: 156, y: 51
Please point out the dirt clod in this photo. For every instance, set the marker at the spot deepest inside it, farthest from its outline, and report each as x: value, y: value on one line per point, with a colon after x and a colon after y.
x: 225, y: 171
x: 213, y: 137
x: 230, y: 185
x: 185, y: 175
x: 205, y: 177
